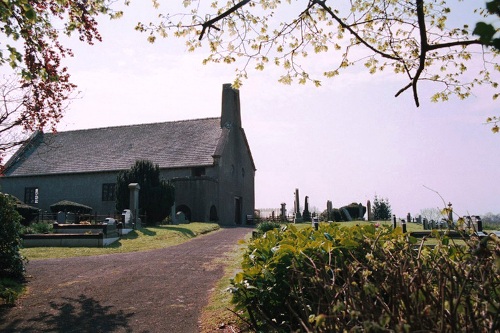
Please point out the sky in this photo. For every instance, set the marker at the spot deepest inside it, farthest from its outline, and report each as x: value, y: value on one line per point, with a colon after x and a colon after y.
x: 346, y: 141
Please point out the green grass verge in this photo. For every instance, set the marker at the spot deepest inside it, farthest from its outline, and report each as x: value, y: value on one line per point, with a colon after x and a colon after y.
x: 10, y: 290
x: 219, y: 314
x: 149, y: 238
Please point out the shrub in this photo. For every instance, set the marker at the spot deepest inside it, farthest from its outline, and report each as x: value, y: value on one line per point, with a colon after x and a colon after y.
x: 381, y: 209
x: 156, y: 196
x: 353, y: 210
x: 37, y: 228
x: 369, y: 279
x: 266, y: 226
x: 11, y: 261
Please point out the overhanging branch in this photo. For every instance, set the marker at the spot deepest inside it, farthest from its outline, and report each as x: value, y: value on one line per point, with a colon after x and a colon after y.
x: 210, y: 23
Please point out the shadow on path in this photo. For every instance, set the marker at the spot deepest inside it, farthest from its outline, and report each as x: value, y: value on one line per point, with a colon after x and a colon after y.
x: 80, y: 314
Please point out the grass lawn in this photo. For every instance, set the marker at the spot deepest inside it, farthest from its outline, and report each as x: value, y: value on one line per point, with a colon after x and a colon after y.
x: 148, y: 238
x: 218, y: 313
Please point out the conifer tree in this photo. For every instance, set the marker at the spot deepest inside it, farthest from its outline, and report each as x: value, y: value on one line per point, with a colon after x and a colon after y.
x: 156, y: 195
x: 381, y: 209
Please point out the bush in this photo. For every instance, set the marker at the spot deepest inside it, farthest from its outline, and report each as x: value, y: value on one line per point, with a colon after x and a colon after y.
x: 367, y: 279
x: 353, y: 210
x: 11, y: 261
x: 156, y: 195
x: 381, y: 209
x: 266, y: 226
x: 37, y: 228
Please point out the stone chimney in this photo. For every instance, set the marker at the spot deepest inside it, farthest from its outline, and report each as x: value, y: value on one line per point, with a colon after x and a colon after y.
x: 230, y: 116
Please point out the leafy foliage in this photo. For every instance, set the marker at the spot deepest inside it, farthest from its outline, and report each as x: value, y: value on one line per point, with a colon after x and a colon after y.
x: 411, y: 38
x: 11, y: 261
x: 381, y: 209
x: 367, y: 279
x: 37, y: 228
x: 34, y: 96
x: 11, y: 289
x: 156, y: 196
x: 28, y: 213
x: 486, y: 31
x: 263, y: 227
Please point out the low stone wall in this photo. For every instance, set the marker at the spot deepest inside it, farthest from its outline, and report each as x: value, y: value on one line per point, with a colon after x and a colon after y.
x: 74, y: 235
x: 108, y: 230
x: 67, y: 240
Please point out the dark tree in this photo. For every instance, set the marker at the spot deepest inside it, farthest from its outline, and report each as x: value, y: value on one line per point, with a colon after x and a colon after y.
x: 11, y: 261
x: 381, y: 209
x: 156, y: 195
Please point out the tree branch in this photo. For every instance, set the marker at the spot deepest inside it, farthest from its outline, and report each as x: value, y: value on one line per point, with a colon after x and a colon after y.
x: 453, y: 44
x: 424, y: 47
x: 210, y: 23
x: 322, y: 3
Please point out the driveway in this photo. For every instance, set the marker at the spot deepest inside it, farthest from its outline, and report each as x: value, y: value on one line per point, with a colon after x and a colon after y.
x: 152, y: 291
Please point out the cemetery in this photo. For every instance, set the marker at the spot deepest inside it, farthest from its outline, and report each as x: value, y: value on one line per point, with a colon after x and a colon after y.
x: 86, y: 234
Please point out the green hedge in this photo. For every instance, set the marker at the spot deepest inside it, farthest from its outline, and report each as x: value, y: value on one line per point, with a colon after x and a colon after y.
x: 11, y: 261
x: 367, y: 279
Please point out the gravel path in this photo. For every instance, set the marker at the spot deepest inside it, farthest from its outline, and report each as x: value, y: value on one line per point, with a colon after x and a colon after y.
x: 153, y: 291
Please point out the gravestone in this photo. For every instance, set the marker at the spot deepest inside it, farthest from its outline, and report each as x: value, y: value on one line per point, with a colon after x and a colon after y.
x: 173, y: 217
x: 134, y: 204
x: 61, y: 217
x: 306, y: 215
x: 369, y: 210
x: 329, y: 209
x: 127, y: 219
x: 283, y: 212
x: 361, y: 213
x: 181, y: 218
x: 296, y: 207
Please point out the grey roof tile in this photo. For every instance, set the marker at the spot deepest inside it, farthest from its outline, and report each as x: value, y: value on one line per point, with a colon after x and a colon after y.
x: 170, y: 145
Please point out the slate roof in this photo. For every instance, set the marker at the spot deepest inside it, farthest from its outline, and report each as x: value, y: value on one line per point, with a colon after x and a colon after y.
x: 175, y: 144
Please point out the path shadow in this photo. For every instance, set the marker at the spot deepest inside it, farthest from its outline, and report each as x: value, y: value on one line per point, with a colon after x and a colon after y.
x: 147, y: 232
x: 184, y: 231
x: 80, y: 314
